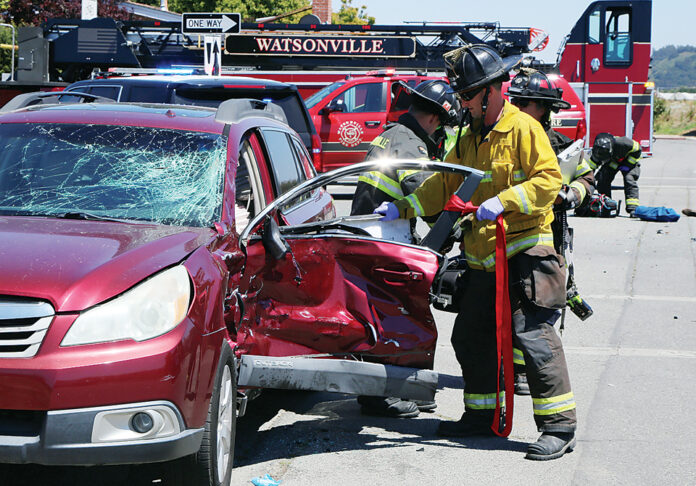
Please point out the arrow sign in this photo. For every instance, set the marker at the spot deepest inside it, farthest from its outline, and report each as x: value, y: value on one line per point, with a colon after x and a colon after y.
x: 210, y: 23
x: 211, y: 55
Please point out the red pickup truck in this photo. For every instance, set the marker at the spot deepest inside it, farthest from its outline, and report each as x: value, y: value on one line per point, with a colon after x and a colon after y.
x: 350, y: 113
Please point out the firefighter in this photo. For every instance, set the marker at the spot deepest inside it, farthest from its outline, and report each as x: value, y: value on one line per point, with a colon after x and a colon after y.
x: 521, y: 180
x: 418, y: 134
x: 613, y: 154
x: 534, y: 93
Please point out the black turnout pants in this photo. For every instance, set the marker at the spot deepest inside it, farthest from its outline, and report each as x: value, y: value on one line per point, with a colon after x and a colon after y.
x: 474, y: 341
x: 606, y: 175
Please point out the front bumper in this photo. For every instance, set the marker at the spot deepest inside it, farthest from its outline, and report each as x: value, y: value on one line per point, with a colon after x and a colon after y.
x: 74, y: 437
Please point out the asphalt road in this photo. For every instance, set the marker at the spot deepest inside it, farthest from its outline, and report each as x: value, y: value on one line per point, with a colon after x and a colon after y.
x: 632, y: 367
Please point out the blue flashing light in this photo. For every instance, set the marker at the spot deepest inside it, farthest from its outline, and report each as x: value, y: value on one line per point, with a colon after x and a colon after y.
x: 174, y: 70
x: 267, y: 100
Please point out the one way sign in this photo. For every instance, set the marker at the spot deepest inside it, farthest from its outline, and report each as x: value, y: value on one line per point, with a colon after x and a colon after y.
x: 210, y: 23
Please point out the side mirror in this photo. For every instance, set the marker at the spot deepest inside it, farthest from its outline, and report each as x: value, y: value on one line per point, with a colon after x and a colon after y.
x: 272, y: 240
x: 336, y: 104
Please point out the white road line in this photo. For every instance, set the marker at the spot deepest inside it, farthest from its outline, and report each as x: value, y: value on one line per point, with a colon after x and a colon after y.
x: 661, y: 186
x: 630, y: 352
x: 657, y: 298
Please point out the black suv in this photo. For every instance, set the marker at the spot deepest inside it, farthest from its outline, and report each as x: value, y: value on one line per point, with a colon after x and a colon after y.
x: 206, y: 91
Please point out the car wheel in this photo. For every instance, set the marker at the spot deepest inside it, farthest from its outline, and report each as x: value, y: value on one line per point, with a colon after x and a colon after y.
x: 212, y: 464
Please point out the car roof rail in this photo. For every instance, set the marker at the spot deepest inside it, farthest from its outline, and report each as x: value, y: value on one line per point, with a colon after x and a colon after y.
x: 233, y: 110
x: 37, y: 97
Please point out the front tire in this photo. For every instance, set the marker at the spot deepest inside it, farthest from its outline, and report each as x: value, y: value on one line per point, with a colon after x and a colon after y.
x: 212, y: 464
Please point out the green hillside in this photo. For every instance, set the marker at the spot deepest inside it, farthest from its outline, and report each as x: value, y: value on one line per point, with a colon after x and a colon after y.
x: 674, y: 67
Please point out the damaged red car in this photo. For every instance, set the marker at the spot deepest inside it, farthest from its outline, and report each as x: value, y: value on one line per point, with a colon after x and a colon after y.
x: 160, y: 263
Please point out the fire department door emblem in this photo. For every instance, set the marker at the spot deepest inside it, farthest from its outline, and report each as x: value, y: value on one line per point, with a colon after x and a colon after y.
x: 350, y: 134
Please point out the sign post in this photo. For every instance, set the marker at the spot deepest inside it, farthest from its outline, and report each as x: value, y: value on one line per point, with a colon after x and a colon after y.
x: 211, y: 23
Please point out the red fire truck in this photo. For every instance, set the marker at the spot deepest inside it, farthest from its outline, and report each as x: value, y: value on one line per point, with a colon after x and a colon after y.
x: 605, y: 57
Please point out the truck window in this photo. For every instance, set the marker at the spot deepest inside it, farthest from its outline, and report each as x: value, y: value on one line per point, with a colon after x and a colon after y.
x: 618, y: 47
x: 323, y: 93
x: 594, y: 21
x: 363, y: 98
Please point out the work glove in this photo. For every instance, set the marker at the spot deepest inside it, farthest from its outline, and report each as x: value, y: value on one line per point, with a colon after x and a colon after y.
x: 567, y: 198
x: 489, y: 209
x: 624, y: 168
x: 388, y: 210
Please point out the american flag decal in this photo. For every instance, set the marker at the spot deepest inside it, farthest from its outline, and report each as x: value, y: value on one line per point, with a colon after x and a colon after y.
x: 97, y: 41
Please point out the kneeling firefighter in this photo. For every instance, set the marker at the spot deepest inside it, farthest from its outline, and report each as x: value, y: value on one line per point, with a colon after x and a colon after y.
x: 534, y: 93
x: 521, y: 180
x: 613, y: 154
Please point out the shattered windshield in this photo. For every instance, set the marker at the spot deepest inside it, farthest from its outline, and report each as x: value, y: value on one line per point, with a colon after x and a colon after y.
x: 137, y: 173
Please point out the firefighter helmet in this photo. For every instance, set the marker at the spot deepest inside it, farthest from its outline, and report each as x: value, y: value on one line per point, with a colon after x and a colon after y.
x: 536, y: 86
x: 435, y: 96
x: 602, y: 148
x: 476, y: 66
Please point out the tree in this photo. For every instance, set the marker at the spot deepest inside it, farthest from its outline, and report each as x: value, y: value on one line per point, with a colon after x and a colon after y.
x: 348, y: 14
x: 35, y: 12
x: 250, y: 10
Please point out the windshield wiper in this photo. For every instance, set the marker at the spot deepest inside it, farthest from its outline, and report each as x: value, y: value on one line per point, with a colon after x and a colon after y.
x: 93, y: 217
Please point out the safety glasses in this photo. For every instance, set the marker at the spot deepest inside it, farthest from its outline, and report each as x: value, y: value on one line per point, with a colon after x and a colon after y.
x: 468, y: 95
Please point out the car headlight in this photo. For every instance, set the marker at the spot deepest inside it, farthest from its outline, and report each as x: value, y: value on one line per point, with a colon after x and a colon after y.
x: 147, y: 310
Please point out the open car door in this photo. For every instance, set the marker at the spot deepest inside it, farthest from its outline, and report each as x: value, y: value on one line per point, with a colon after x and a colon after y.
x: 346, y: 311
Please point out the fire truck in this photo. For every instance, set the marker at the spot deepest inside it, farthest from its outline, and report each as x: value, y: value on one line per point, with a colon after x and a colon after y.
x: 605, y: 57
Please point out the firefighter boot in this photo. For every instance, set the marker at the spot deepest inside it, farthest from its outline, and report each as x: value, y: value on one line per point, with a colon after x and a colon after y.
x: 387, y: 407
x: 471, y: 424
x: 551, y: 445
x: 521, y: 385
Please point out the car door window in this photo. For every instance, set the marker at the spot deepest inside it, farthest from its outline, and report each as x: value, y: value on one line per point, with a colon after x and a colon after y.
x: 148, y: 94
x: 247, y: 197
x: 363, y: 98
x: 286, y: 170
x: 112, y: 92
x: 303, y: 157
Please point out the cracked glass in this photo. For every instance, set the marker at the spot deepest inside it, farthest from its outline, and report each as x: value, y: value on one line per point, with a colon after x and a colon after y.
x: 158, y: 175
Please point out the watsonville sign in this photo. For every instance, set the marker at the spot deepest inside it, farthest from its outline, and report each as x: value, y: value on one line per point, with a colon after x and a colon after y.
x: 336, y: 46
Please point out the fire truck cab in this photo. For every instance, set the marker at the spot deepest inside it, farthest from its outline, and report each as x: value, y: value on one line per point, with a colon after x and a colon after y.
x: 606, y: 58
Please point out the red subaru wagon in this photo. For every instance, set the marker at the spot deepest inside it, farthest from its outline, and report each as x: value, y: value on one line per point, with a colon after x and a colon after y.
x: 159, y: 263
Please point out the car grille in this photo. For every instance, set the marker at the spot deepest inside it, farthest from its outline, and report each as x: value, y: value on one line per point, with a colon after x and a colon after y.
x: 23, y: 325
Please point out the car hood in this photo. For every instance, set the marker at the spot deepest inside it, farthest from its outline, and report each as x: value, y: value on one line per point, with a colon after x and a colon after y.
x: 77, y: 264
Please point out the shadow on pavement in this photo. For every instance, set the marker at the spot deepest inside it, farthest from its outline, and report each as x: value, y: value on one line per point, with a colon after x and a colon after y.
x: 314, y: 423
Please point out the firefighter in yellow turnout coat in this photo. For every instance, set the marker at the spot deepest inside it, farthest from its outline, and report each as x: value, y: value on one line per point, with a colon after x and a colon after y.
x: 521, y: 181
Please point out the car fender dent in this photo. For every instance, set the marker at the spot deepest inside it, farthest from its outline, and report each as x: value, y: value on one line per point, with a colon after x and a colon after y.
x: 339, y: 306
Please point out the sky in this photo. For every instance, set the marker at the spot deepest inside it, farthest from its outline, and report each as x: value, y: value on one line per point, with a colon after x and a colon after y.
x: 672, y: 20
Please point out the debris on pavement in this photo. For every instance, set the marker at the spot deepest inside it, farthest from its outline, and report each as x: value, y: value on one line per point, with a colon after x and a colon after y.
x: 267, y: 480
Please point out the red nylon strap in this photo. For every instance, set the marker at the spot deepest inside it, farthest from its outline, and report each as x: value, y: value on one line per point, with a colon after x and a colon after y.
x: 503, y: 318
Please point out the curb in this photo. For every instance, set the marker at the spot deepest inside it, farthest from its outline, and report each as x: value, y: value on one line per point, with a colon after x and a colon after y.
x: 674, y: 137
